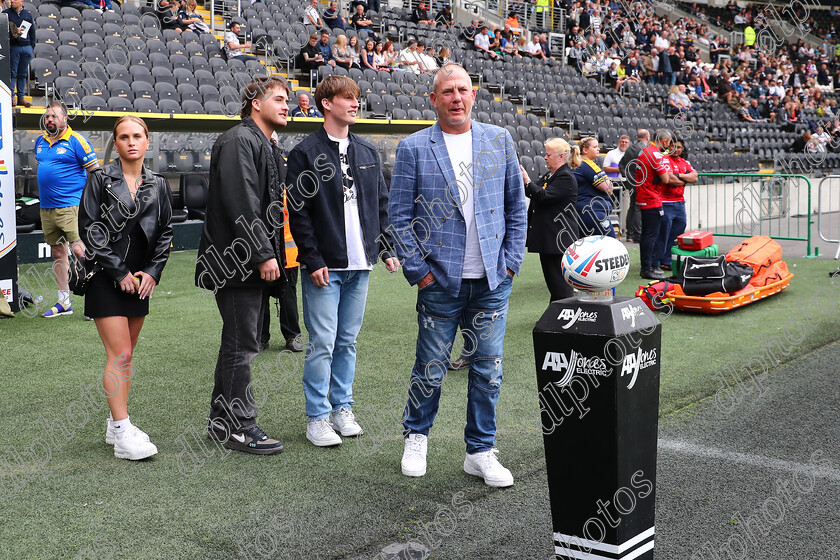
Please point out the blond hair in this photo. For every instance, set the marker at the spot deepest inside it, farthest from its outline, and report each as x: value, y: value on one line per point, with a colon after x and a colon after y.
x: 558, y: 145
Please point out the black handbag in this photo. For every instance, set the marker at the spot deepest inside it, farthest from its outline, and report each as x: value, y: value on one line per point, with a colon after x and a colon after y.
x: 80, y: 273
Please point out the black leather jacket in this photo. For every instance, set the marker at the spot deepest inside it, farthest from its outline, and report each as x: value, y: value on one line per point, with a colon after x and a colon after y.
x: 106, y: 208
x: 244, y: 222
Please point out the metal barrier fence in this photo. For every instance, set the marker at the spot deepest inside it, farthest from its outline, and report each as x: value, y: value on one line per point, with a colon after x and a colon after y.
x: 750, y: 204
x: 828, y: 210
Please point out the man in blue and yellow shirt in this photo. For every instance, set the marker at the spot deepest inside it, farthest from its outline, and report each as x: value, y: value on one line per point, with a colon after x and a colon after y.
x: 63, y: 158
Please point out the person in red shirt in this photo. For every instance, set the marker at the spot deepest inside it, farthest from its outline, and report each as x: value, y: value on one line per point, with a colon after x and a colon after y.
x: 673, y: 205
x: 652, y: 172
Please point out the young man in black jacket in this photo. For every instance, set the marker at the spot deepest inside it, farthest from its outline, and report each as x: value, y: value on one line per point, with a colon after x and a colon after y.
x: 338, y: 212
x: 241, y: 254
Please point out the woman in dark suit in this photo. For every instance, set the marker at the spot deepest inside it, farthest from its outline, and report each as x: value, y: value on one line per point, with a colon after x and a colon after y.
x: 124, y: 221
x: 552, y: 217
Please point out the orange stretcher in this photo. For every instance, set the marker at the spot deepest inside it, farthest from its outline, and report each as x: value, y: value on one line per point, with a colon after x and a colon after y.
x: 719, y: 302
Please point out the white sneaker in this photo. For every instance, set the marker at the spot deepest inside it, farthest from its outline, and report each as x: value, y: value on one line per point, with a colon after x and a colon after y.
x: 132, y: 446
x: 487, y: 466
x: 414, y: 456
x: 320, y: 433
x: 344, y: 422
x: 109, y: 432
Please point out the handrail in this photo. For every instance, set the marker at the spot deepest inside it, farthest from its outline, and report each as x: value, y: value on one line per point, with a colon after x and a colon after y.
x: 775, y: 204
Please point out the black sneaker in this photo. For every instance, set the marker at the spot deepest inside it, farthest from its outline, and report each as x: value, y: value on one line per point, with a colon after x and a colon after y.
x: 250, y: 440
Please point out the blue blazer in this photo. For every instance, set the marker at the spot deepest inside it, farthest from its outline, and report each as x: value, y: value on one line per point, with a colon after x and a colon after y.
x: 427, y: 221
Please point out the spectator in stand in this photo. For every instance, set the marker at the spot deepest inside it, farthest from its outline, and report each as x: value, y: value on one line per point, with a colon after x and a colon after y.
x: 823, y: 77
x: 367, y: 55
x: 409, y: 58
x: 613, y: 157
x: 444, y: 17
x: 360, y: 19
x: 575, y: 55
x: 651, y: 66
x: 189, y: 19
x: 513, y: 22
x: 233, y: 49
x: 678, y: 101
x: 304, y: 109
x: 161, y: 8
x: 420, y: 15
x: 325, y: 49
x: 379, y: 59
x: 521, y: 46
x: 744, y: 112
x: 534, y: 49
x: 673, y: 204
x: 442, y: 56
x: 428, y: 64
x: 755, y: 112
x: 392, y: 57
x: 508, y: 44
x: 310, y: 54
x: 355, y: 51
x: 471, y: 31
x: 545, y: 46
x: 22, y: 43
x: 170, y: 19
x: 342, y: 53
x: 552, y: 216
x: 821, y: 139
x: 333, y: 17
x: 594, y: 189
x: 482, y: 43
x: 311, y: 15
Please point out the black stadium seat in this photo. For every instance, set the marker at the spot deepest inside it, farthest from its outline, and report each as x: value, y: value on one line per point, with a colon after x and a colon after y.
x: 144, y: 105
x: 194, y: 192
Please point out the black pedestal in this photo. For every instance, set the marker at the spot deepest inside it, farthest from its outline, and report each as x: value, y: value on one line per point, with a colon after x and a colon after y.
x: 598, y: 378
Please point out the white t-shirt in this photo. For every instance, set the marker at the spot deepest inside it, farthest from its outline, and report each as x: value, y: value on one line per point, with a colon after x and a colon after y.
x: 482, y: 40
x: 356, y: 258
x: 533, y: 48
x: 611, y: 160
x: 428, y: 62
x: 459, y: 147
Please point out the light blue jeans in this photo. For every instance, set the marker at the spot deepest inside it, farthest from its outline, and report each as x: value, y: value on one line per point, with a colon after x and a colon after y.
x: 333, y: 317
x: 483, y: 315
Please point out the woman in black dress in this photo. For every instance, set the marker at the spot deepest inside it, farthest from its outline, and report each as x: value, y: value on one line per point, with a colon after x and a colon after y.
x: 124, y: 221
x: 552, y: 217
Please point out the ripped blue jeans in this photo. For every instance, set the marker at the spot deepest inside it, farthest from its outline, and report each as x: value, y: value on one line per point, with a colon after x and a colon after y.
x: 482, y: 315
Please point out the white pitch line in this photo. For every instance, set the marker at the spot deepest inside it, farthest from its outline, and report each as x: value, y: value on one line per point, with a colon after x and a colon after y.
x: 748, y: 459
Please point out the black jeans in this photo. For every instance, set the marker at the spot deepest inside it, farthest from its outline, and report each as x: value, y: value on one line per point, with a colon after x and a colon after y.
x: 553, y: 273
x: 634, y: 219
x: 287, y: 309
x: 651, y: 220
x: 242, y: 316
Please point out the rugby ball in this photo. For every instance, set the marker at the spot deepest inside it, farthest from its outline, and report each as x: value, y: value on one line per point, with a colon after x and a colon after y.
x: 595, y: 263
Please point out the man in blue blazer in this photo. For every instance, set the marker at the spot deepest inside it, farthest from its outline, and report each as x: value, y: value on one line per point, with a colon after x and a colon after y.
x: 457, y: 207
